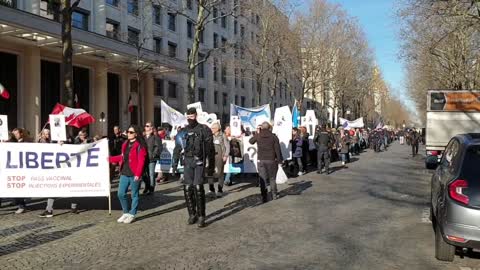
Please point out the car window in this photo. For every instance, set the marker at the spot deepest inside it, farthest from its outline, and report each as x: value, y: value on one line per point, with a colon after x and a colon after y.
x: 447, y: 155
x: 470, y: 168
x: 451, y: 157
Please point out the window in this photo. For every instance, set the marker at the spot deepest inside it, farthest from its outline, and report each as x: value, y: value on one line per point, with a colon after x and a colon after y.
x: 189, y: 29
x: 133, y: 36
x: 215, y: 40
x: 112, y: 29
x: 252, y: 37
x: 225, y: 98
x: 201, y: 94
x: 236, y: 100
x: 242, y: 102
x: 172, y: 24
x: 253, y: 102
x: 190, y: 4
x: 51, y: 11
x: 158, y: 44
x: 224, y: 45
x: 80, y: 20
x: 157, y: 15
x: 188, y: 53
x: 215, y: 15
x: 159, y: 87
x: 224, y: 20
x: 132, y: 7
x: 112, y: 2
x: 242, y: 31
x: 201, y: 66
x: 133, y: 86
x: 243, y: 78
x: 235, y: 27
x: 224, y: 74
x: 172, y: 90
x: 201, y: 36
x: 215, y: 68
x: 236, y: 77
x: 257, y: 20
x: 172, y: 49
x: 215, y: 97
x: 258, y: 40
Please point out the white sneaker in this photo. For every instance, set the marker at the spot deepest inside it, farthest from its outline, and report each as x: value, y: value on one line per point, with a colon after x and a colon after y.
x: 300, y: 173
x: 129, y: 219
x: 122, y: 218
x: 211, y: 194
x: 20, y: 211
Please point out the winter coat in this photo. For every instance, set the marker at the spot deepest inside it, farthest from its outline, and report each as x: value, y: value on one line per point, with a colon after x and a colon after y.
x: 297, y: 147
x: 136, y: 159
x: 268, y: 146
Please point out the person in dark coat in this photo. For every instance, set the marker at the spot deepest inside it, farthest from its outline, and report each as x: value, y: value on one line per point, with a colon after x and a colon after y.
x: 297, y: 150
x: 269, y: 157
x: 154, y: 147
x: 323, y: 141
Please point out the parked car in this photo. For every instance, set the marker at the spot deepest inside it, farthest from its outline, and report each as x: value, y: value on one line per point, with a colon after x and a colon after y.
x: 455, y: 197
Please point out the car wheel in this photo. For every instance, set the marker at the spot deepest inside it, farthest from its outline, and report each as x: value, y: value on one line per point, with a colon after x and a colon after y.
x: 443, y: 250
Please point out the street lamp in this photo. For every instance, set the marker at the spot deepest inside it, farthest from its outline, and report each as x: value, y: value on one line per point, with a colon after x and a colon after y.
x: 102, y: 120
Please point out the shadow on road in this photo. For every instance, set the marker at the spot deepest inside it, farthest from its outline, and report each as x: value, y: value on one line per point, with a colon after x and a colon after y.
x: 254, y: 200
x: 36, y: 238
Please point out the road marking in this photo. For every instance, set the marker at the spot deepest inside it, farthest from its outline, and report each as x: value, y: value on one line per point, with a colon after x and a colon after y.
x: 426, y: 216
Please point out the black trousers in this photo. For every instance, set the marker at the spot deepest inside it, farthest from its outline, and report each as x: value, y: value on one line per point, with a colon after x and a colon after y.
x: 267, y: 171
x: 323, y: 159
x: 192, y: 173
x: 414, y: 149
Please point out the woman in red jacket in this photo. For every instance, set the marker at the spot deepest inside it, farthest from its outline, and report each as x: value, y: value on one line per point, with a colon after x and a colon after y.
x: 132, y: 163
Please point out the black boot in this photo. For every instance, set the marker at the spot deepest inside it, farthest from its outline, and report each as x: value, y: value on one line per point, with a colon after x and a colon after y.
x: 201, y: 205
x: 189, y: 192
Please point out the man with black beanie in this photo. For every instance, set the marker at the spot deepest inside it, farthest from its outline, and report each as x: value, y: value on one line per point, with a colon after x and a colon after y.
x: 199, y: 153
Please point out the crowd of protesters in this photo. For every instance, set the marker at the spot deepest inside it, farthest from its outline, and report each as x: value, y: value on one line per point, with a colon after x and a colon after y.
x: 203, y: 152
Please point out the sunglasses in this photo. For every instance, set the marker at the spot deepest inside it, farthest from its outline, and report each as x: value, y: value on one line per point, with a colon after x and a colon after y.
x: 131, y: 132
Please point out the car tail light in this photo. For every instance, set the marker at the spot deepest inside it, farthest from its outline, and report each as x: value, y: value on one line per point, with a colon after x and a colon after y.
x: 456, y: 239
x: 456, y: 189
x: 433, y: 153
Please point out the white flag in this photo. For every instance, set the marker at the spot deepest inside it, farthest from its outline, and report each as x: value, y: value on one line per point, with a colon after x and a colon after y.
x: 172, y: 116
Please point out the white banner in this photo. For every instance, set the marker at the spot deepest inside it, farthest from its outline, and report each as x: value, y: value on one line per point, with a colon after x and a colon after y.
x: 251, y: 117
x: 197, y: 106
x: 358, y: 123
x: 172, y: 116
x: 310, y: 122
x: 4, y: 128
x: 166, y: 158
x: 235, y: 126
x: 45, y: 170
x: 282, y: 127
x: 249, y: 164
x: 58, y: 130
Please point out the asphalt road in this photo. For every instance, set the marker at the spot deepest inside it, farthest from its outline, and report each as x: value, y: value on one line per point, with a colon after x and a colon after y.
x: 372, y: 215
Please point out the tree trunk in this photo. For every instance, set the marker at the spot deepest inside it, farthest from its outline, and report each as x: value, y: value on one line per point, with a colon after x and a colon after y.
x: 67, y: 54
x: 192, y: 63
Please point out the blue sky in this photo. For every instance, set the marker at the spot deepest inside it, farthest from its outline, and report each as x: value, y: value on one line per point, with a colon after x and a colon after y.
x: 378, y: 21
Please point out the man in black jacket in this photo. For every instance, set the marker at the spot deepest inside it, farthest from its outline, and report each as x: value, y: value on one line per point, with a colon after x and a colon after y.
x: 269, y: 156
x: 154, y: 144
x: 199, y: 153
x: 323, y: 141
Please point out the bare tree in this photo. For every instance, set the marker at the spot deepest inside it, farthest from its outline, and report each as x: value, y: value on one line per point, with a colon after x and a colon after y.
x: 206, y: 12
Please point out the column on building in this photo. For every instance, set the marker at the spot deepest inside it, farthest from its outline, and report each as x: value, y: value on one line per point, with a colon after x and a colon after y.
x: 100, y: 99
x: 124, y: 93
x: 148, y: 97
x: 32, y: 90
x: 99, y: 17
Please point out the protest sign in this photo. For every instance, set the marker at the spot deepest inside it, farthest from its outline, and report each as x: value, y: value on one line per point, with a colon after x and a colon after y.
x: 251, y: 117
x: 54, y: 170
x: 4, y: 128
x: 282, y: 127
x: 58, y: 130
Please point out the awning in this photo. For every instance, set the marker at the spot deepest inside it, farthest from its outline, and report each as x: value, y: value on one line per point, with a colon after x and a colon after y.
x: 43, y: 32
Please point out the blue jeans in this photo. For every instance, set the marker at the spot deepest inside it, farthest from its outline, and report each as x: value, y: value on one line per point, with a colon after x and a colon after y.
x: 151, y: 174
x: 344, y: 157
x: 125, y: 182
